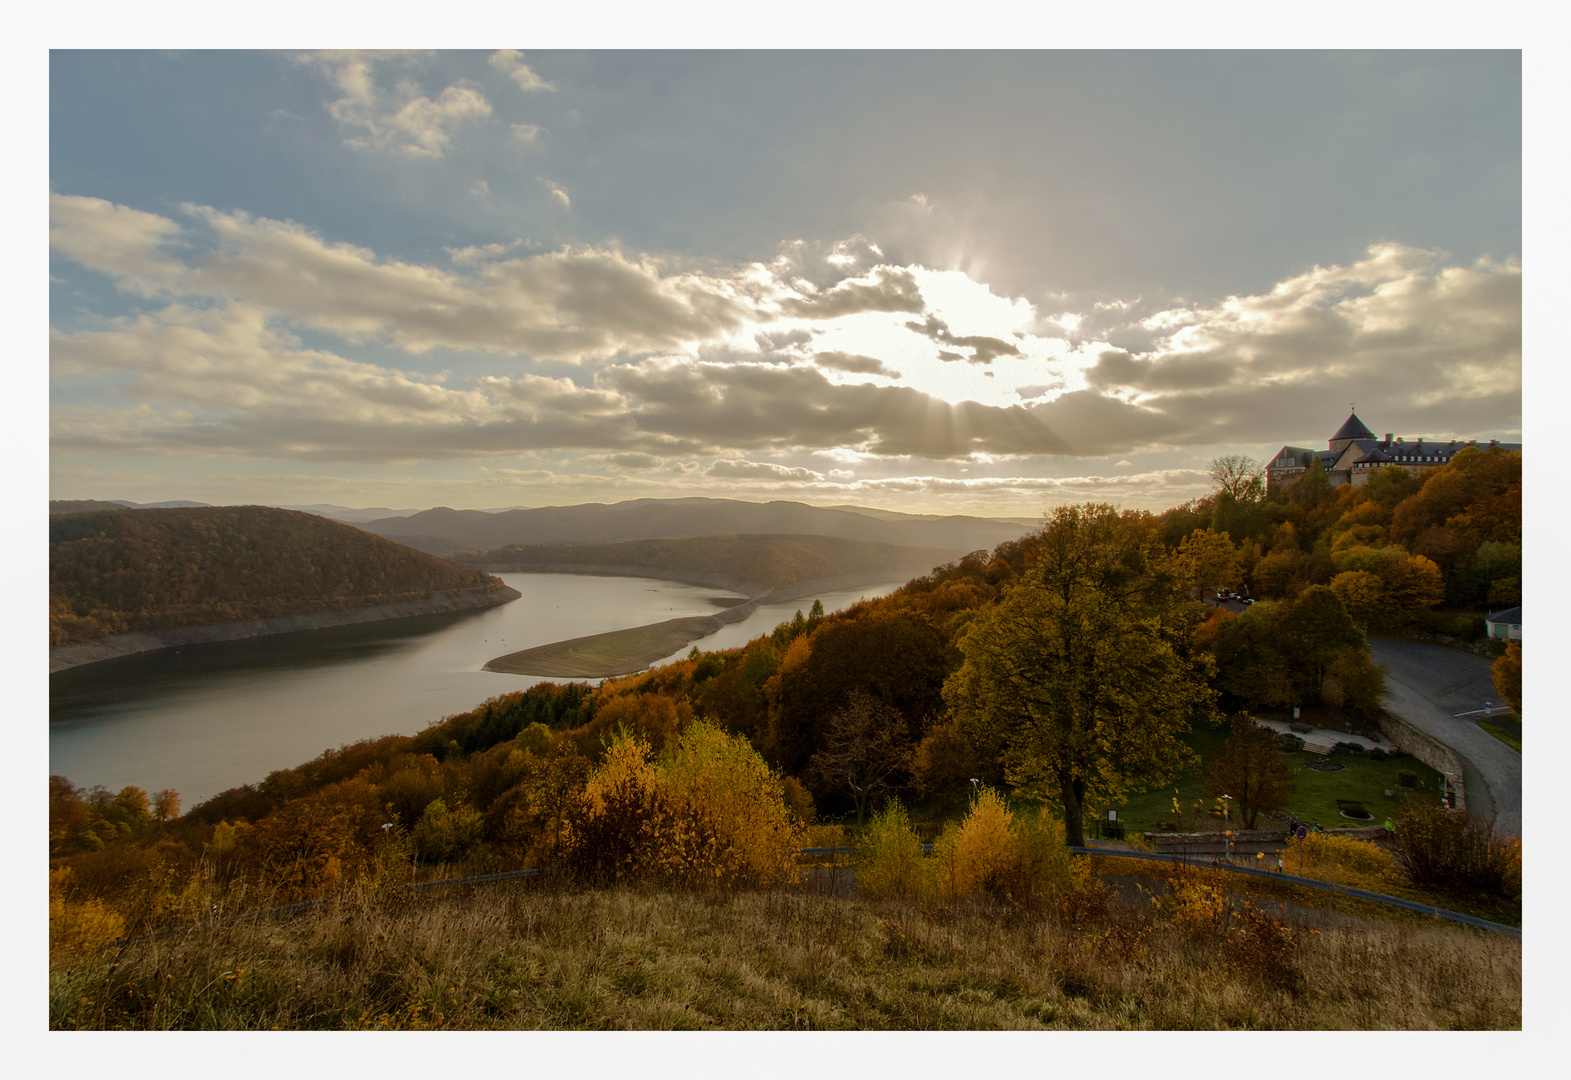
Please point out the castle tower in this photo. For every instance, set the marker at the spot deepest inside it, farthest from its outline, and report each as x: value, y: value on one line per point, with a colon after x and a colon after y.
x: 1353, y: 428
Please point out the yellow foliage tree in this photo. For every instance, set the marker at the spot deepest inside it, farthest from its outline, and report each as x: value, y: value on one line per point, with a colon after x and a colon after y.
x: 708, y: 811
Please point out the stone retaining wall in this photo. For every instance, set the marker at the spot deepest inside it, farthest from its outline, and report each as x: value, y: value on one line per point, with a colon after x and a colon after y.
x: 1428, y: 749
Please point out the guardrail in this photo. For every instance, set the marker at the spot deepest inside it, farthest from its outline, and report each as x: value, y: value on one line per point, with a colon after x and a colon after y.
x: 1345, y: 890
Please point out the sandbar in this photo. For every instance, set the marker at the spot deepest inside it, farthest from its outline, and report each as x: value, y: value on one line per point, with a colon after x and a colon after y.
x: 617, y: 652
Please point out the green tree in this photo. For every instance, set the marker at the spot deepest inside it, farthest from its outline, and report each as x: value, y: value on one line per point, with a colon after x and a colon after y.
x: 1309, y: 632
x: 1082, y: 673
x: 1250, y: 769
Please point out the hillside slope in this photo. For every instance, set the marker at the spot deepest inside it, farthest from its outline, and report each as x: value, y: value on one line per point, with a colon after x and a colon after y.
x: 130, y: 571
x: 753, y: 563
x: 659, y: 519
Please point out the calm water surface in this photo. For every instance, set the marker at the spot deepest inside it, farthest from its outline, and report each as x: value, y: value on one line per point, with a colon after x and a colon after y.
x: 208, y: 717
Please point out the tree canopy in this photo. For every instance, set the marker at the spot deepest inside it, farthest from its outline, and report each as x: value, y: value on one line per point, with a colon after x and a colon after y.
x: 1081, y: 674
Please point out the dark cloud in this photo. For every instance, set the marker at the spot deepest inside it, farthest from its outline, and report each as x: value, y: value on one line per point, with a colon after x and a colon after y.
x: 984, y: 349
x: 889, y: 290
x: 854, y: 363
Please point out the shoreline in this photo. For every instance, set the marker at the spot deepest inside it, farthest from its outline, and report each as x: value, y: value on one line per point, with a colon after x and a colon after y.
x: 64, y: 657
x: 627, y: 652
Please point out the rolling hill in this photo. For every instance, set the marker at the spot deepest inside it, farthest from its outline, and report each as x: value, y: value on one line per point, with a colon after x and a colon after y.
x: 756, y: 563
x: 131, y: 571
x: 447, y: 530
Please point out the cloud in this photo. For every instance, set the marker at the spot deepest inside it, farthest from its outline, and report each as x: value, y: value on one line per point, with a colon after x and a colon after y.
x: 227, y: 381
x: 1036, y: 390
x: 402, y: 121
x: 681, y: 360
x: 116, y: 240
x: 855, y: 364
x: 558, y: 192
x: 984, y: 349
x: 885, y: 288
x: 766, y: 408
x: 510, y: 62
x: 759, y: 470
x: 1441, y: 343
x: 633, y: 462
x: 568, y: 304
x: 526, y: 133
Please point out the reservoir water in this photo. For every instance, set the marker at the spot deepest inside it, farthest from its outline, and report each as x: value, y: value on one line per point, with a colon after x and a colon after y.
x: 204, y: 718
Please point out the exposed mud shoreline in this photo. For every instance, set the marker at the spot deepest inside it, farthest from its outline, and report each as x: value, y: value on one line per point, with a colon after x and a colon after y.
x: 623, y: 652
x: 62, y: 657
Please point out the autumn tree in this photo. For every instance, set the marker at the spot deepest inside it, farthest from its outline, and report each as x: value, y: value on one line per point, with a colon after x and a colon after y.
x: 866, y: 745
x: 1507, y: 671
x: 1207, y: 560
x: 1082, y: 671
x: 1250, y: 769
x: 166, y: 805
x: 1242, y: 478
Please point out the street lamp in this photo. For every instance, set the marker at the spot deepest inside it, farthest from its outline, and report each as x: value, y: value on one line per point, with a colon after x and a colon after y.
x: 1227, y: 825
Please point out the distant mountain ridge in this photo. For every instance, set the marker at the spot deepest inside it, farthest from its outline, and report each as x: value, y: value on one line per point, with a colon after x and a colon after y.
x: 451, y: 530
x: 757, y: 564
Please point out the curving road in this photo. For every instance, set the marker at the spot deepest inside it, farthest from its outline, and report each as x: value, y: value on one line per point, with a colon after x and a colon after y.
x: 1427, y: 686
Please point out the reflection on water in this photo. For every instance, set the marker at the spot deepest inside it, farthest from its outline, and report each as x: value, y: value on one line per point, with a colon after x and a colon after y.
x: 207, y: 717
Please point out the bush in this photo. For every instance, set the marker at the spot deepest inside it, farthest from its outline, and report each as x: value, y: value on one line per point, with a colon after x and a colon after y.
x: 1020, y: 858
x: 707, y: 812
x: 1289, y: 744
x: 1320, y: 850
x: 891, y: 865
x: 1377, y: 754
x: 1441, y: 848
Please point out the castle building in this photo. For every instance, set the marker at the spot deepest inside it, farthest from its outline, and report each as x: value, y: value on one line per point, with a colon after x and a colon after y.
x: 1353, y: 454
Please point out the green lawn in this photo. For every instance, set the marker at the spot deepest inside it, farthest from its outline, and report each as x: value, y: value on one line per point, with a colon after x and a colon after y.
x: 1315, y: 799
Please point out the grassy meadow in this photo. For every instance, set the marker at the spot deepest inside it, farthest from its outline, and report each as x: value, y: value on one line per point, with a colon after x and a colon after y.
x: 1168, y: 954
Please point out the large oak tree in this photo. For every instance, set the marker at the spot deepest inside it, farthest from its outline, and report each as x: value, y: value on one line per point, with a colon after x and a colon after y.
x: 1082, y: 675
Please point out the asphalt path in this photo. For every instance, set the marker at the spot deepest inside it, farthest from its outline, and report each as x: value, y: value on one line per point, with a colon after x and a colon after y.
x: 1427, y: 685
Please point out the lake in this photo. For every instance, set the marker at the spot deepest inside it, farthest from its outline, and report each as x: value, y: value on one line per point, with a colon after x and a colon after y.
x: 204, y: 718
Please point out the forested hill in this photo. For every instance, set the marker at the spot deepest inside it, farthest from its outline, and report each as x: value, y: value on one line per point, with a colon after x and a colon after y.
x: 122, y: 571
x: 751, y: 562
x: 444, y: 530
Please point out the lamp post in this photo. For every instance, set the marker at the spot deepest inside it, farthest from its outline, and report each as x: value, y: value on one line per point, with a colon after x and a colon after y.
x: 1227, y: 826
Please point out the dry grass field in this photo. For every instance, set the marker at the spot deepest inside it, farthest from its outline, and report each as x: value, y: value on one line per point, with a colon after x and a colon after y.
x: 1174, y: 955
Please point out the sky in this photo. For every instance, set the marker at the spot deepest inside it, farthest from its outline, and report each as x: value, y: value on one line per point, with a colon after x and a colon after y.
x: 938, y: 282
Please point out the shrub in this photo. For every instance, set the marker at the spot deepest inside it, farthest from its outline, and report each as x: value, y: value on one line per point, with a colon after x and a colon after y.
x: 1290, y: 744
x: 443, y: 834
x: 1319, y: 851
x: 1020, y: 858
x: 1441, y: 848
x: 975, y: 856
x: 707, y: 812
x: 891, y: 865
x: 77, y: 925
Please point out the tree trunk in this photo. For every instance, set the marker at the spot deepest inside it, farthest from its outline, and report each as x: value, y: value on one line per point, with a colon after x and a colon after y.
x: 1074, y: 790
